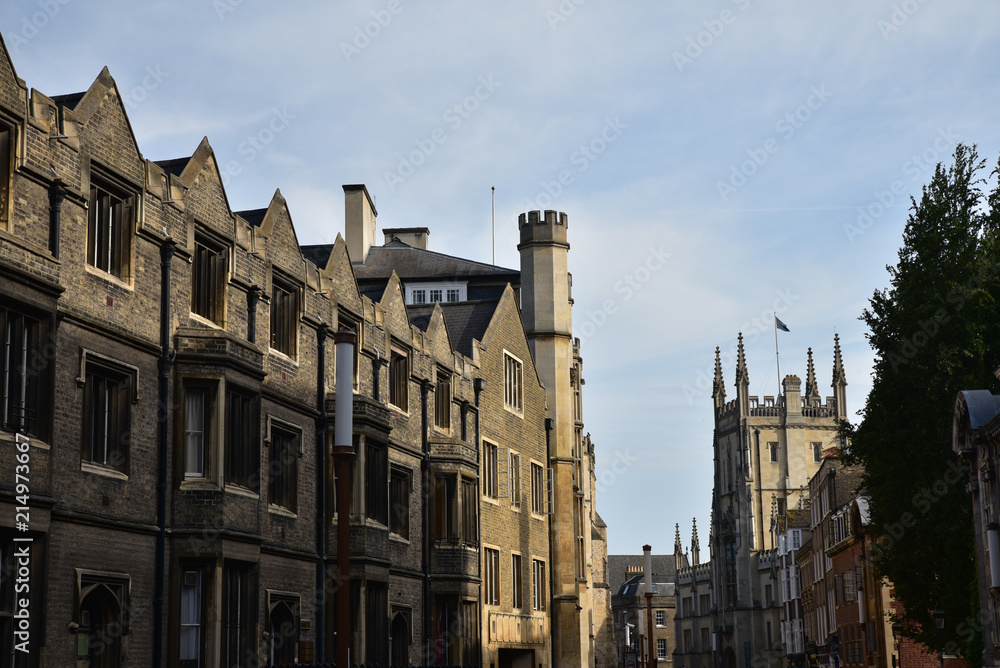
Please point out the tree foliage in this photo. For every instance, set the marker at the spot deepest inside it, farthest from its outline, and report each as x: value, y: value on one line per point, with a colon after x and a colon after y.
x: 935, y: 332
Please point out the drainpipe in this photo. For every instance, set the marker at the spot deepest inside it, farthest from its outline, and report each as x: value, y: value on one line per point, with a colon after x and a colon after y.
x: 549, y: 426
x: 478, y: 385
x: 57, y: 193
x: 253, y: 296
x: 426, y: 471
x: 321, y: 335
x: 165, y: 363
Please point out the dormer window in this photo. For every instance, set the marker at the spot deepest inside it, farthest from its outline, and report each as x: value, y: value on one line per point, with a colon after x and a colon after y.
x: 430, y: 293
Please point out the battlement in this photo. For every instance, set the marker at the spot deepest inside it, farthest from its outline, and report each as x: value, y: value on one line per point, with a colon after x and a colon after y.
x: 775, y: 407
x: 536, y: 227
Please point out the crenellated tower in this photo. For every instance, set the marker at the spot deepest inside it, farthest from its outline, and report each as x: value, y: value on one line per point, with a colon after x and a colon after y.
x: 766, y: 449
x: 546, y: 311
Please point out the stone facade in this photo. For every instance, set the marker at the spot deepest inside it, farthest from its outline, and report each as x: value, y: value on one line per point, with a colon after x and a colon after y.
x: 765, y: 451
x: 170, y: 404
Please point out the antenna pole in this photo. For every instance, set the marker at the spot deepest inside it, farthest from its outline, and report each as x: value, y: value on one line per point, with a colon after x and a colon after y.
x: 493, y: 203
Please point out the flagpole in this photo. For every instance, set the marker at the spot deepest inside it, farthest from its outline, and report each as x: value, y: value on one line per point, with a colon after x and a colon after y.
x: 777, y: 360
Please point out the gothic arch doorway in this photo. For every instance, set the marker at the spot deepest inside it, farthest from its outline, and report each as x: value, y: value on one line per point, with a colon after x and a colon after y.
x: 281, y: 625
x: 100, y: 614
x: 400, y: 634
x: 729, y: 658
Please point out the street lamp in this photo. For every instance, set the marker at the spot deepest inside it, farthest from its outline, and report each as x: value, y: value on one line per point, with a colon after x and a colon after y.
x: 938, y: 615
x: 897, y: 635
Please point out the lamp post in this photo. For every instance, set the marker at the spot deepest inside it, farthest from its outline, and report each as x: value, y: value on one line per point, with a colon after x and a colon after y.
x: 938, y: 615
x: 897, y: 635
x: 646, y: 552
x: 343, y: 453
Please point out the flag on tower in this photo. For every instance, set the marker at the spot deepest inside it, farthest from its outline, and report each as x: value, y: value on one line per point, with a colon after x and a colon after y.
x: 780, y: 325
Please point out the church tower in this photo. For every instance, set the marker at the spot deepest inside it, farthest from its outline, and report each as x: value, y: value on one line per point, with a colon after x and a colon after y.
x: 766, y: 450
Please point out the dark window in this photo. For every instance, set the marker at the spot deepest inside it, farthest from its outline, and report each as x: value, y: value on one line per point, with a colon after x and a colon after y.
x: 470, y: 506
x: 399, y: 503
x: 399, y: 376
x: 284, y: 318
x: 376, y: 623
x: 238, y: 616
x: 6, y: 168
x: 107, y: 415
x: 109, y: 228
x: 445, y: 507
x: 490, y: 483
x: 283, y: 470
x: 25, y: 362
x: 442, y: 400
x: 773, y: 449
x: 491, y: 577
x: 209, y: 275
x: 377, y: 482
x: 541, y: 490
x: 515, y: 581
x: 242, y: 440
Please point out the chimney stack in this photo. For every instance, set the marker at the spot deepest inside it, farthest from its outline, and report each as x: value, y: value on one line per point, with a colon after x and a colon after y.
x: 359, y: 221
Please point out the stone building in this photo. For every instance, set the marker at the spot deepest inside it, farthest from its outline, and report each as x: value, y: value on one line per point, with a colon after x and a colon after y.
x: 793, y: 530
x: 976, y: 443
x: 169, y: 394
x: 629, y: 608
x: 765, y: 453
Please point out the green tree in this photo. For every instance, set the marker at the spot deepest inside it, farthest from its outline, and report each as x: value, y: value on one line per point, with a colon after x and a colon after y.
x: 935, y: 331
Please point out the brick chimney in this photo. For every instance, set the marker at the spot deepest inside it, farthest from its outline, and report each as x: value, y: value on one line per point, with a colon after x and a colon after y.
x: 359, y: 221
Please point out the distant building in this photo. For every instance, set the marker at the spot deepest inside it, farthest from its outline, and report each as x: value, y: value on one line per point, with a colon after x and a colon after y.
x: 629, y: 610
x: 765, y: 453
x: 976, y: 440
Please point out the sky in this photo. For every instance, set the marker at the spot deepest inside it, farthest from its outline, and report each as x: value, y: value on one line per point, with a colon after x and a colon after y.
x: 719, y: 161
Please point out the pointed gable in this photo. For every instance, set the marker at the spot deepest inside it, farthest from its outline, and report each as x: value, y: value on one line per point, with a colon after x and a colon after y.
x: 205, y: 197
x: 438, y: 338
x: 338, y: 277
x: 13, y: 92
x: 277, y: 230
x: 392, y: 303
x: 506, y: 330
x: 106, y: 130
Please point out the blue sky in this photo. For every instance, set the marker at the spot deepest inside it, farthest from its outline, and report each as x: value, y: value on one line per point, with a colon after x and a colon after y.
x: 716, y: 160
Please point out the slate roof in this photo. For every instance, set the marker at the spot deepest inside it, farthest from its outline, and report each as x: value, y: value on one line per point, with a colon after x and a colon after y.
x: 174, y: 166
x: 662, y: 564
x: 69, y: 100
x: 253, y: 216
x: 465, y: 320
x: 411, y: 263
x: 319, y: 254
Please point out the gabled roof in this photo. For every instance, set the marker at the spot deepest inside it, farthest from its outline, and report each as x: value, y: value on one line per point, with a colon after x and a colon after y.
x: 465, y: 320
x: 411, y: 263
x: 187, y: 169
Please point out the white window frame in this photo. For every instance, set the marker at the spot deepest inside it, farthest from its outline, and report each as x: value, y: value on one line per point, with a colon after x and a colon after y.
x: 513, y: 383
